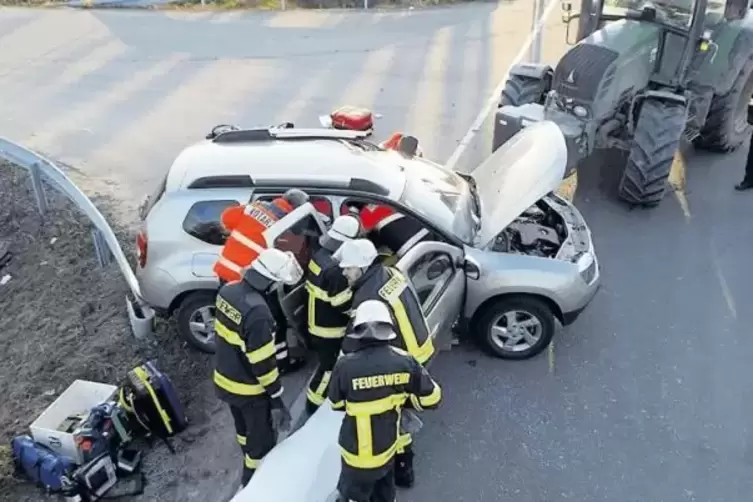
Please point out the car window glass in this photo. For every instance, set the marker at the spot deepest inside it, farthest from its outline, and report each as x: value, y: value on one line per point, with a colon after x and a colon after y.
x: 429, y: 276
x: 203, y: 221
x: 302, y: 239
x: 320, y: 202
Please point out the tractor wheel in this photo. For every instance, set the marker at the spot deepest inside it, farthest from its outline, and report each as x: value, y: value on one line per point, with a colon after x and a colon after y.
x: 520, y: 90
x: 726, y: 126
x: 657, y: 137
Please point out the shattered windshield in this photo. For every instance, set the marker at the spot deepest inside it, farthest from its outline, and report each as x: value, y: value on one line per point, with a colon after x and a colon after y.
x: 677, y: 13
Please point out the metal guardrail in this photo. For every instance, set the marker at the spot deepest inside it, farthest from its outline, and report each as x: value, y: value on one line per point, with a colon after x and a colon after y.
x: 106, y: 244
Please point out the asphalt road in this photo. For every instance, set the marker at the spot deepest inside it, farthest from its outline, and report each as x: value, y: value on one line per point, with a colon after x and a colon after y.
x: 645, y: 398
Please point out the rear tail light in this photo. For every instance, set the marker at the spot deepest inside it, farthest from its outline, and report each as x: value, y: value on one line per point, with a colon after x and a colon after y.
x: 141, y: 248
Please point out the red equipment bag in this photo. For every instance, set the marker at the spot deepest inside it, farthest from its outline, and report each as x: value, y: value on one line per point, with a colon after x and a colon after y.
x: 352, y: 118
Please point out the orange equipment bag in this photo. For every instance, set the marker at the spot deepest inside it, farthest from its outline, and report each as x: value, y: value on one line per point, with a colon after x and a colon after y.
x: 352, y: 118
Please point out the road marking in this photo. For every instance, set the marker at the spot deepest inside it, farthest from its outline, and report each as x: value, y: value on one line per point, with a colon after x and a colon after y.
x: 726, y: 292
x: 365, y: 88
x: 550, y: 357
x: 424, y: 115
x: 677, y: 181
x: 568, y: 187
x: 494, y: 97
x: 471, y: 76
x: 81, y: 116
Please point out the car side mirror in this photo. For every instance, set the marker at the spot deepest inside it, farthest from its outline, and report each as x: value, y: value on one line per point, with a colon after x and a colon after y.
x: 734, y: 10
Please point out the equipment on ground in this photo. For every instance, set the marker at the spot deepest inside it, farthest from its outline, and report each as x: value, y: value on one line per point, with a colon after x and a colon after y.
x: 41, y: 465
x: 151, y: 400
x: 644, y: 76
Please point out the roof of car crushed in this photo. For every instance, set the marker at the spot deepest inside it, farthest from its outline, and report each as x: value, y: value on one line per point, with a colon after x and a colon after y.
x: 309, y: 159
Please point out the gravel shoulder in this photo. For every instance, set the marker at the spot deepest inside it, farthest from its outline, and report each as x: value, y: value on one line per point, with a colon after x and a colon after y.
x: 64, y: 318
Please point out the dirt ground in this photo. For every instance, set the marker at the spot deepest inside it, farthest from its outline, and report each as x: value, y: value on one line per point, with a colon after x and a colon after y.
x: 64, y: 318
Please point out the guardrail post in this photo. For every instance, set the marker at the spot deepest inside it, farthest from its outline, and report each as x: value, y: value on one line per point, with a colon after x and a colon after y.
x: 101, y: 249
x: 538, y: 13
x: 36, y: 182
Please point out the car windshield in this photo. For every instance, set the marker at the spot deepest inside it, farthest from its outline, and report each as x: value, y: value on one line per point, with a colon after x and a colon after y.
x: 442, y: 197
x: 678, y: 13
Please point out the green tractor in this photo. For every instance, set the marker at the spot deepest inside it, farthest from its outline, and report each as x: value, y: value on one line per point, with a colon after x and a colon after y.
x: 643, y: 76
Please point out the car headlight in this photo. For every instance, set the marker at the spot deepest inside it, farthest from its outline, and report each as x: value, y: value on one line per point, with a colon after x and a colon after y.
x: 586, y: 267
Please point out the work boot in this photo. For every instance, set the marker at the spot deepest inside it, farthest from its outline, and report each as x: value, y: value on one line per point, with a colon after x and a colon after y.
x: 404, y: 476
x: 746, y: 184
x: 291, y: 365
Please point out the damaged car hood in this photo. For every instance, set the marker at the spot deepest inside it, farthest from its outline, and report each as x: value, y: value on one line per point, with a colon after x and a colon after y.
x: 530, y: 165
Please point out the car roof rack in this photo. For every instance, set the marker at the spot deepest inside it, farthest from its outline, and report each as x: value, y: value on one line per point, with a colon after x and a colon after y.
x: 244, y: 181
x: 285, y: 131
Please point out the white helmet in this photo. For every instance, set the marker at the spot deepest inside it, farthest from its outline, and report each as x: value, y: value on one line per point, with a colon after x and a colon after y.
x: 374, y: 320
x: 278, y: 266
x: 344, y: 228
x: 356, y: 253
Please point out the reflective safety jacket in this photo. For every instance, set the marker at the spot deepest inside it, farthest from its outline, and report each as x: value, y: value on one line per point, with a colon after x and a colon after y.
x: 245, y: 366
x: 246, y: 225
x: 390, y: 286
x: 329, y: 296
x: 372, y: 384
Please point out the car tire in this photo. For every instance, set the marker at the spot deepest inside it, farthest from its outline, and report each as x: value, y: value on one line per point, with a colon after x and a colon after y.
x: 190, y: 311
x: 522, y: 309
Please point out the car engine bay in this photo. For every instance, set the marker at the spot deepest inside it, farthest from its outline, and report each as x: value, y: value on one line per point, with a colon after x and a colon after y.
x: 539, y: 231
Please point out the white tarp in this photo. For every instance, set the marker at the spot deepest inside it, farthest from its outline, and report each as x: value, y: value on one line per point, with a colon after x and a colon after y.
x: 302, y: 468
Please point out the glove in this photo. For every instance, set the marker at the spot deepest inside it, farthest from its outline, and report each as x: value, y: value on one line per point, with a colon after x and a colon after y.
x: 281, y: 418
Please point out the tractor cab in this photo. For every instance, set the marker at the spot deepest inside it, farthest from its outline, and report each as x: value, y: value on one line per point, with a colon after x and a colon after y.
x: 644, y: 77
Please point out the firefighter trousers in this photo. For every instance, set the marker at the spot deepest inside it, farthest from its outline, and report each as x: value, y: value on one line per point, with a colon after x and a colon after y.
x: 353, y: 489
x: 327, y: 350
x: 254, y: 432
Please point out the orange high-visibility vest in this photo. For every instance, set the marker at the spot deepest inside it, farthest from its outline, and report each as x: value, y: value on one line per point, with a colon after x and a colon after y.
x: 393, y: 141
x: 246, y: 225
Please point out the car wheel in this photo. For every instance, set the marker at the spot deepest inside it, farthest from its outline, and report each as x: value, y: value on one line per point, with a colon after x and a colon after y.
x: 195, y: 319
x: 516, y: 327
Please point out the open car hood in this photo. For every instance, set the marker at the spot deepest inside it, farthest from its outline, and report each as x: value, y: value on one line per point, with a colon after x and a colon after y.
x: 530, y: 165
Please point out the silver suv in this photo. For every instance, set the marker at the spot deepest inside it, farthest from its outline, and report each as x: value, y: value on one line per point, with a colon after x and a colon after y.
x: 513, y: 259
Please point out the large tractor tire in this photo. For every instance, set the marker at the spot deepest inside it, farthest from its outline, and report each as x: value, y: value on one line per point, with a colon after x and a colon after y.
x: 726, y: 126
x: 657, y: 137
x: 521, y: 90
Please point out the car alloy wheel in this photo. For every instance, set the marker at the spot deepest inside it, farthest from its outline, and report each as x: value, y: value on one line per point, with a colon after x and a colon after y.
x: 515, y: 326
x: 516, y: 330
x: 201, y: 324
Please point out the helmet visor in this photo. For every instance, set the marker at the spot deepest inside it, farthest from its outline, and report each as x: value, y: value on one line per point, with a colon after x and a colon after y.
x: 290, y: 273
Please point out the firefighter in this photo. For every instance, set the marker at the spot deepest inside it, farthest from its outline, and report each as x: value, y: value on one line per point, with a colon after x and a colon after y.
x: 372, y: 383
x: 370, y: 279
x: 329, y: 298
x: 246, y: 225
x: 246, y: 375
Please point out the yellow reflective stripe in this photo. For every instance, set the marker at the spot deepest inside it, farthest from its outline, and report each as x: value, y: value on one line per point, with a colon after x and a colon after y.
x: 314, y: 398
x: 237, y: 388
x: 324, y: 383
x: 229, y: 335
x: 265, y: 352
x: 314, y: 268
x: 144, y: 377
x: 338, y: 405
x: 241, y: 439
x: 363, y: 433
x: 250, y: 463
x: 377, y: 406
x: 317, y: 292
x: 341, y: 298
x: 269, y: 378
x: 433, y: 398
x: 403, y: 441
x: 370, y: 461
x: 323, y: 332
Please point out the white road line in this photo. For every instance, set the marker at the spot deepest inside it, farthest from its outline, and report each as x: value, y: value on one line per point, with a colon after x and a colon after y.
x: 492, y: 101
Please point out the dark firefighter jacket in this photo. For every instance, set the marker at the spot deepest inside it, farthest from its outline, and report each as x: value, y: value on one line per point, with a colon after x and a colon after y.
x: 244, y: 361
x: 372, y: 384
x: 399, y: 233
x: 329, y: 295
x: 389, y: 285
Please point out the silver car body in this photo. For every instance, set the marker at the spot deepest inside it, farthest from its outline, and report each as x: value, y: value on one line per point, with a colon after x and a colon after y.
x: 525, y: 171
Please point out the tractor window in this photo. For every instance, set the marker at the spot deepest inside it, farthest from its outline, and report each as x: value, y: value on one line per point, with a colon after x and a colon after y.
x: 672, y: 12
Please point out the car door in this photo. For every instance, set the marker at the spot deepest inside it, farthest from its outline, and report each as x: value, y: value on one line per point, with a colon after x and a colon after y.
x: 299, y: 233
x: 435, y: 270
